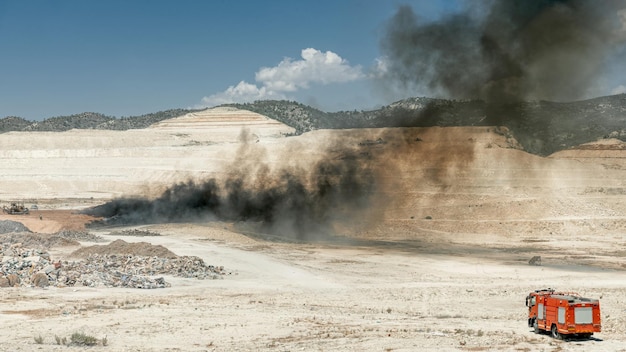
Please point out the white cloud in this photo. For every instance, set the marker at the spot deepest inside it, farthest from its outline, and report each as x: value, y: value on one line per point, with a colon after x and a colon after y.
x: 289, y: 76
x: 315, y: 67
x: 243, y: 92
x: 621, y: 89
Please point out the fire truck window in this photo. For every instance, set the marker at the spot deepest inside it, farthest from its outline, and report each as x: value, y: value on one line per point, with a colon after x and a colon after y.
x: 533, y: 301
x: 583, y: 315
x: 561, y: 315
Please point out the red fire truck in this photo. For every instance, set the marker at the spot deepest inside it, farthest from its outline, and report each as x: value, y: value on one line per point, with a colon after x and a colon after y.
x: 563, y: 313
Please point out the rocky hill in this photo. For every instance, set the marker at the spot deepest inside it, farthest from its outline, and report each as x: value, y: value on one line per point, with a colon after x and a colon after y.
x: 88, y: 120
x: 540, y: 127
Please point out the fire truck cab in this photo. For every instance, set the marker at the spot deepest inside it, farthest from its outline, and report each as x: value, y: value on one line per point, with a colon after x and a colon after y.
x: 563, y: 313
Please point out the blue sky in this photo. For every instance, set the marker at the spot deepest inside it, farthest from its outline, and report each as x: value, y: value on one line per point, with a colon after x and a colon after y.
x: 130, y: 57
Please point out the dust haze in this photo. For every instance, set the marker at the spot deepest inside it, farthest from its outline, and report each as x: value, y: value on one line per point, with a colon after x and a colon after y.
x: 290, y: 199
x: 348, y: 184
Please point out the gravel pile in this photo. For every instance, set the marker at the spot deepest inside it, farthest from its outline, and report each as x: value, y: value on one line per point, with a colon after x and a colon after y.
x: 121, y: 247
x: 33, y: 267
x: 135, y: 271
x: 135, y: 233
x: 35, y: 240
x: 8, y: 226
x: 83, y: 236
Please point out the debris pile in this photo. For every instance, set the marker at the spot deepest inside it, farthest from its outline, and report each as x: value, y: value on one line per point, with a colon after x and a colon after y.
x: 19, y: 264
x: 135, y: 233
x: 35, y: 240
x: 7, y: 226
x: 44, y: 241
x: 124, y: 248
x: 134, y: 271
x: 80, y: 236
x: 118, y: 264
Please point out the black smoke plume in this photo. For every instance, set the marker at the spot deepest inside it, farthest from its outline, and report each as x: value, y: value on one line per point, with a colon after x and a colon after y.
x: 290, y: 201
x: 505, y: 51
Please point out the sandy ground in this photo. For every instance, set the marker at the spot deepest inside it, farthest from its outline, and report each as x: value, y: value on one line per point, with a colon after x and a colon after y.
x: 440, y: 264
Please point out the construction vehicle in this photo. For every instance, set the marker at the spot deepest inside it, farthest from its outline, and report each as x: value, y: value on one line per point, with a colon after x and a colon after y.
x: 563, y: 314
x: 16, y: 209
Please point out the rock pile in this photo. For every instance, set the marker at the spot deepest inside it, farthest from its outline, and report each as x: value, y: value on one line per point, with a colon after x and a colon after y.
x: 22, y: 266
x: 8, y: 226
x: 135, y: 233
x: 124, y: 248
x: 44, y: 241
x: 35, y: 240
x: 134, y: 271
x: 18, y: 264
x: 80, y: 236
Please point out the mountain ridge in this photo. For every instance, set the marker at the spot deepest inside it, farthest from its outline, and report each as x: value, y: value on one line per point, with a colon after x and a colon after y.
x: 540, y: 127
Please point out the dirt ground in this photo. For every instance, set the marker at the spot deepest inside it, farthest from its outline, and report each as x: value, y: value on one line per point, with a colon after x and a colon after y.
x: 440, y: 264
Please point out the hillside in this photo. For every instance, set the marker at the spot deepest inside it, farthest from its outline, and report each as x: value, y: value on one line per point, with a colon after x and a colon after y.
x: 87, y: 121
x: 541, y: 127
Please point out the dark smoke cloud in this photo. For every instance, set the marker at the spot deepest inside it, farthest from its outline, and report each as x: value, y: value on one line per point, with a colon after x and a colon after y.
x: 291, y: 201
x: 346, y: 187
x: 505, y: 51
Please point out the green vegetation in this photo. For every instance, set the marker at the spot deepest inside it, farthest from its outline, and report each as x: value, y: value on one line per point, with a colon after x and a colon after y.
x: 82, y: 339
x: 76, y: 339
x: 540, y: 127
x: 88, y: 120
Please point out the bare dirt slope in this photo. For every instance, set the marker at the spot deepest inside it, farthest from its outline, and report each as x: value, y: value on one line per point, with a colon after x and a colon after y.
x: 103, y: 164
x: 438, y: 260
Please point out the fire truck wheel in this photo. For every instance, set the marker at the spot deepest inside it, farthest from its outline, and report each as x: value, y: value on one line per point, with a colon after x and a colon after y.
x: 535, y: 326
x: 555, y: 332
